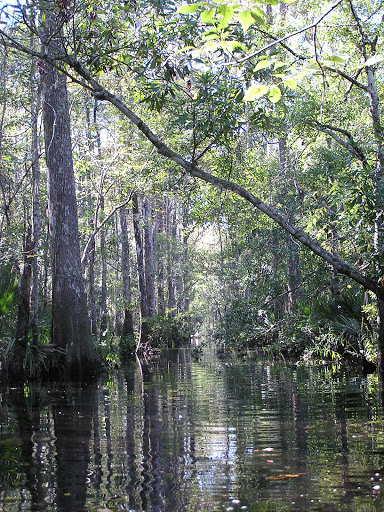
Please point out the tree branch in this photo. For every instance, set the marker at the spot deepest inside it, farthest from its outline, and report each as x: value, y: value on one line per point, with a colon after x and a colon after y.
x: 105, y: 220
x: 288, y: 36
x: 351, y: 145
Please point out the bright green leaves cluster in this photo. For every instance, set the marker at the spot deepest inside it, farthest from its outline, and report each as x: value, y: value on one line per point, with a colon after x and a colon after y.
x: 219, y: 14
x: 222, y: 37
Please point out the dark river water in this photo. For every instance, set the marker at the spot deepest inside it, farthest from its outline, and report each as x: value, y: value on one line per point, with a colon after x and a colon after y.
x: 196, y: 435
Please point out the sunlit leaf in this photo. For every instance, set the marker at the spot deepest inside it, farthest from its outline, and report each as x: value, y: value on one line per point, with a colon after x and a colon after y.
x: 255, y: 92
x: 188, y: 8
x: 227, y: 13
x: 184, y: 49
x: 291, y: 83
x: 336, y: 59
x: 279, y: 64
x: 288, y: 1
x: 233, y: 45
x: 207, y: 16
x: 274, y: 93
x: 246, y: 19
x: 259, y: 12
x: 262, y: 64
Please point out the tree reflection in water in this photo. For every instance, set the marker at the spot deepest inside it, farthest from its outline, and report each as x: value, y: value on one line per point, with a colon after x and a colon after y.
x: 185, y: 435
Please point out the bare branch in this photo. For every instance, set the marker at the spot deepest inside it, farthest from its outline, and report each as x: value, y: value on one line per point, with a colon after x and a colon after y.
x: 350, y: 145
x: 288, y: 36
x: 102, y: 224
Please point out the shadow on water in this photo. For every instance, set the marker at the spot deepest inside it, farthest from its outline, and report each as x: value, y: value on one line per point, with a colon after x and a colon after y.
x: 185, y: 435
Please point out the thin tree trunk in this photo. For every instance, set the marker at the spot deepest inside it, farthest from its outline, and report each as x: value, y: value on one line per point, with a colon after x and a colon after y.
x: 35, y: 107
x: 24, y: 290
x: 127, y: 327
x: 294, y: 275
x: 90, y: 255
x: 144, y: 328
x: 185, y: 268
x: 171, y: 235
x: 160, y: 262
x: 103, y: 299
x: 149, y: 258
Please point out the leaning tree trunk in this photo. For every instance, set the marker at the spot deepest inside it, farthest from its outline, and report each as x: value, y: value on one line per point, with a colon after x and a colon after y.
x: 70, y: 328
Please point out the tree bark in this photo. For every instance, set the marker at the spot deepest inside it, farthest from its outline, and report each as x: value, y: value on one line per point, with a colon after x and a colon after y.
x: 171, y: 235
x: 24, y: 289
x: 103, y: 298
x: 144, y: 328
x: 35, y: 166
x: 70, y: 328
x: 149, y: 258
x: 127, y: 327
x: 160, y: 261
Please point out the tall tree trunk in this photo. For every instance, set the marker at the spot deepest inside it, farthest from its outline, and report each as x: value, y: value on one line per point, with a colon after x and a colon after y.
x: 149, y: 258
x: 127, y: 327
x: 70, y: 329
x: 185, y: 268
x: 293, y: 292
x: 160, y: 261
x: 35, y: 166
x: 24, y: 289
x: 144, y: 328
x: 294, y: 275
x: 171, y: 230
x: 90, y: 269
x: 103, y: 298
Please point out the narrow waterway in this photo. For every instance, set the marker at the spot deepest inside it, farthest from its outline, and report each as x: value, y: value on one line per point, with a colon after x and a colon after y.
x: 196, y: 435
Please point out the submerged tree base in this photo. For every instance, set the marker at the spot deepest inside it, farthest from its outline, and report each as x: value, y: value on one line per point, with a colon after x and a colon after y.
x: 26, y: 361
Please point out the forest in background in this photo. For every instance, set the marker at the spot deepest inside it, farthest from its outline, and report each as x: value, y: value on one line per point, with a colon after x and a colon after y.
x: 254, y: 215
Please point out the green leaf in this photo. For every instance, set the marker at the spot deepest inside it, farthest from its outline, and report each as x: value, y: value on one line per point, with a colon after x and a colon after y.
x: 279, y: 64
x: 274, y: 93
x: 231, y: 46
x: 255, y: 92
x: 262, y: 64
x: 291, y: 83
x: 207, y: 16
x: 259, y: 12
x: 188, y: 8
x: 288, y: 1
x: 246, y: 19
x: 227, y: 13
x: 337, y: 59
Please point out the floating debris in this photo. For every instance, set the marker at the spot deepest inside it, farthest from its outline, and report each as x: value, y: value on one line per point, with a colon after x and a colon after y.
x: 288, y: 475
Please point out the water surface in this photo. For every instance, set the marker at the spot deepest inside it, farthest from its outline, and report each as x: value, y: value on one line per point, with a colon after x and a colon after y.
x: 188, y: 435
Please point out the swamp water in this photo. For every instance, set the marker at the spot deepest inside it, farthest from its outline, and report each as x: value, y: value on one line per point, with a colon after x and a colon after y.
x: 187, y: 435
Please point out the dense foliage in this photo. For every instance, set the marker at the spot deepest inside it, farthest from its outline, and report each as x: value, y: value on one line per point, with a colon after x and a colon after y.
x: 278, y: 99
